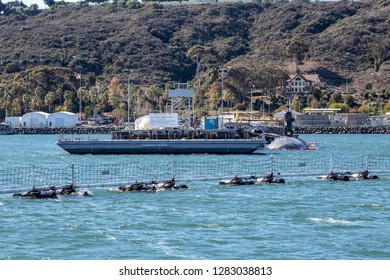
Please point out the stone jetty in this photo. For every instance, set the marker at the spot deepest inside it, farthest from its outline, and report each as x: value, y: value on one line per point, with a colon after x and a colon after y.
x: 67, y: 130
x: 342, y: 130
x: 298, y: 130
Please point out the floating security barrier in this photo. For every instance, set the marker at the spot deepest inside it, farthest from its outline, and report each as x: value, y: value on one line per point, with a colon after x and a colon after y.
x: 52, y: 193
x: 347, y: 176
x: 71, y: 190
x: 364, y: 175
x: 37, y: 194
x: 268, y: 179
x: 154, y: 186
x: 333, y: 176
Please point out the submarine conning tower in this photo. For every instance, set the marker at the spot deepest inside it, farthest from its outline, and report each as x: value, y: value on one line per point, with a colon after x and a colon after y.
x: 288, y: 122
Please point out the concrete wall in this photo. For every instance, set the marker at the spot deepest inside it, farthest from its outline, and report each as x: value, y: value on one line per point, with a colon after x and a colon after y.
x: 356, y: 119
x: 315, y: 120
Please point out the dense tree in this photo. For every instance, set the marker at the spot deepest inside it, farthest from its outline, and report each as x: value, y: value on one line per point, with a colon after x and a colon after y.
x: 2, y: 7
x: 49, y: 99
x: 344, y: 107
x: 336, y: 98
x: 181, y: 43
x: 68, y: 97
x: 268, y: 79
x: 380, y: 51
x: 387, y: 107
x: 17, y: 107
x: 98, y: 1
x: 201, y: 56
x: 296, y: 48
x: 36, y: 103
x: 49, y: 3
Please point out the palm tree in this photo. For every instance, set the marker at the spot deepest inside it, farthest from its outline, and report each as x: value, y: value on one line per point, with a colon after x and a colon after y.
x: 153, y: 95
x: 68, y: 96
x: 200, y: 55
x: 36, y: 103
x: 26, y: 101
x: 16, y: 106
x: 49, y: 99
x: 103, y: 99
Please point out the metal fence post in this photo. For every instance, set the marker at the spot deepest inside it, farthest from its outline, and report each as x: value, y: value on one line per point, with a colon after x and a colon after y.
x: 173, y: 169
x: 73, y: 175
x: 33, y: 177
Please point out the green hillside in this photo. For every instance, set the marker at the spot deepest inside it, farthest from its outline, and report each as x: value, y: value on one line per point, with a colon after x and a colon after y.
x: 151, y: 45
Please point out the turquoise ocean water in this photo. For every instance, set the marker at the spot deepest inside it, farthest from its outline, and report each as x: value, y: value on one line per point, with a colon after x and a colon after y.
x: 302, y: 219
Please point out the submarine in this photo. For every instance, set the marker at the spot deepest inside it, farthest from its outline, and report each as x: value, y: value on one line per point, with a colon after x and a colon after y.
x: 288, y: 141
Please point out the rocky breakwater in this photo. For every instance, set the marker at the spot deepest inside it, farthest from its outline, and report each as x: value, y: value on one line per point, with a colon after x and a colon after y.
x: 343, y: 130
x: 109, y: 129
x: 67, y: 130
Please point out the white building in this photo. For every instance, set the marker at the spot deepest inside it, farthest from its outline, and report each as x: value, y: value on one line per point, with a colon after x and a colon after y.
x: 62, y: 119
x: 35, y: 119
x: 303, y: 83
x: 14, y: 121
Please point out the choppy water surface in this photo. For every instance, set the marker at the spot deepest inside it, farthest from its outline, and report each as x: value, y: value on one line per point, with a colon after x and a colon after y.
x: 302, y: 219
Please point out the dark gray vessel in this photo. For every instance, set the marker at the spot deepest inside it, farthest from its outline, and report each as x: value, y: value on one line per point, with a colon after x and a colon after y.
x: 6, y: 129
x: 174, y: 141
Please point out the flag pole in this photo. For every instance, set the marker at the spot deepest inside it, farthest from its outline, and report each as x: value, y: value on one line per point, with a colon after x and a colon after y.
x: 81, y: 114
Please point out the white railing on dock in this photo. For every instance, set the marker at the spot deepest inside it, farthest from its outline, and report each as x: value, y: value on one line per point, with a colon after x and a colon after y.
x: 22, y: 178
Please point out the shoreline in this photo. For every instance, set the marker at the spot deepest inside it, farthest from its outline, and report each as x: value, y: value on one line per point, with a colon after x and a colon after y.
x: 343, y: 130
x: 298, y: 130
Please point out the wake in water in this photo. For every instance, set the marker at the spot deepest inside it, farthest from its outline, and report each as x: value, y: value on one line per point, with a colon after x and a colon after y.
x: 331, y: 221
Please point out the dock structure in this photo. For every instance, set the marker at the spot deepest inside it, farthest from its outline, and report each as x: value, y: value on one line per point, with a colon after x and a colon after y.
x: 107, y: 175
x: 177, y: 134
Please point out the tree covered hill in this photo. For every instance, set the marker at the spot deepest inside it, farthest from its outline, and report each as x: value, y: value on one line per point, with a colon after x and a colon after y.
x: 156, y: 44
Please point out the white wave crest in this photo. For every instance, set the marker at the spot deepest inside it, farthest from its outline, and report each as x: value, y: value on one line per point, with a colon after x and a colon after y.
x: 331, y: 220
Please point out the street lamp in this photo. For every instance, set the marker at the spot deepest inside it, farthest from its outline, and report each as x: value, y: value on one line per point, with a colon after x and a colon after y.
x: 6, y: 103
x: 96, y: 97
x: 78, y: 77
x: 223, y: 74
x: 128, y: 101
x: 251, y: 100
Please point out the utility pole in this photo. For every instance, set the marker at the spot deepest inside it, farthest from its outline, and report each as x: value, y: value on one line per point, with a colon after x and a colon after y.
x: 6, y: 103
x: 128, y: 101
x: 96, y: 97
x: 252, y: 86
x: 80, y: 93
x: 223, y: 74
x: 2, y: 50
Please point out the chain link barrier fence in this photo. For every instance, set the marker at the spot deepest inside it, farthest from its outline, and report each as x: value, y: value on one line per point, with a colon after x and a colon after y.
x: 22, y: 178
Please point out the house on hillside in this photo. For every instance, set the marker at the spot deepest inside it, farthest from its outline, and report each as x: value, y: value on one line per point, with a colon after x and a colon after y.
x: 303, y: 83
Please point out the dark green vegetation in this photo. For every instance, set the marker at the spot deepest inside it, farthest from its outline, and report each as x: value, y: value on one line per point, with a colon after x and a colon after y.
x: 151, y: 46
